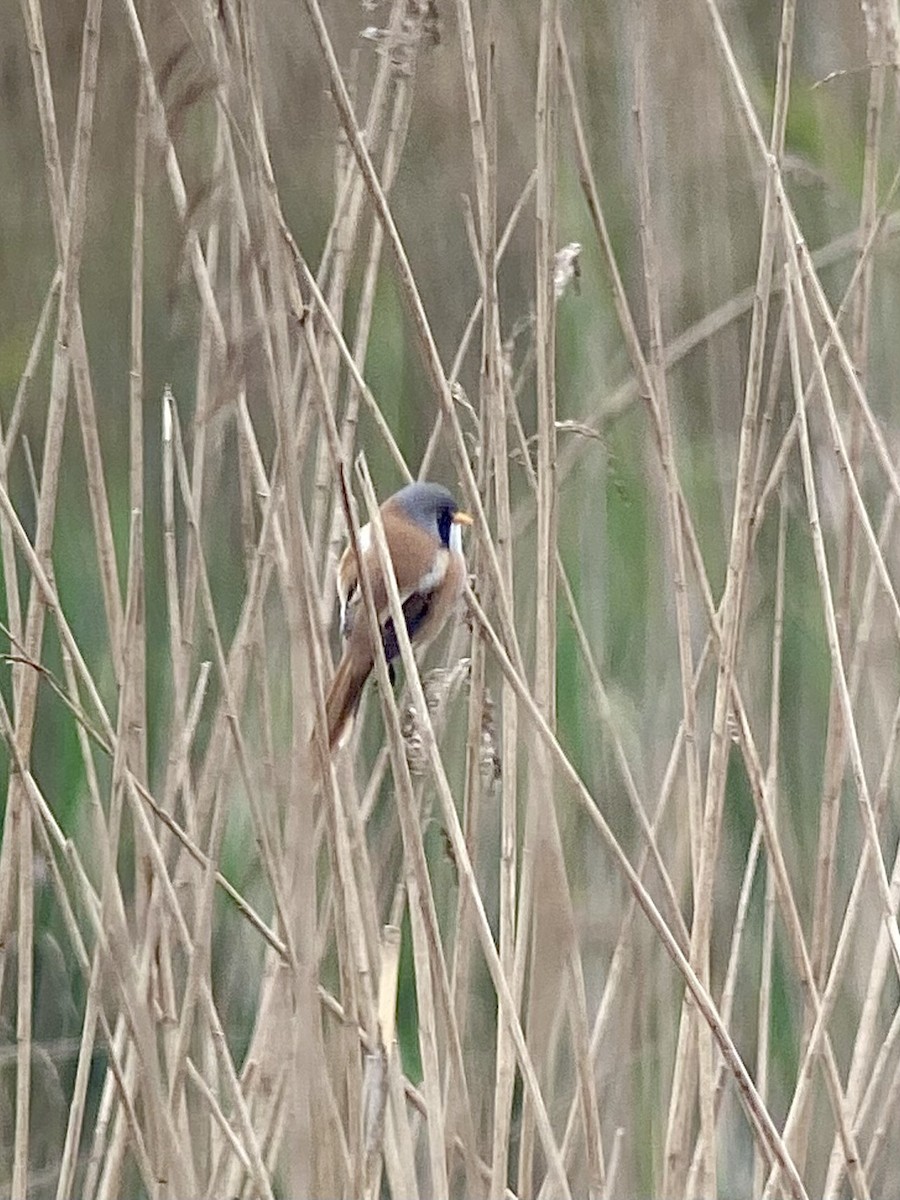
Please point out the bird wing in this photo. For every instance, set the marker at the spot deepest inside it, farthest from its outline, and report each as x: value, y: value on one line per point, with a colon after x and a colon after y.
x: 426, y: 609
x: 415, y: 613
x: 411, y: 581
x: 348, y: 587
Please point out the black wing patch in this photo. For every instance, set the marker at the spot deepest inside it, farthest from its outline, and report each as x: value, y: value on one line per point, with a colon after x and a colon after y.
x: 415, y: 609
x: 349, y: 611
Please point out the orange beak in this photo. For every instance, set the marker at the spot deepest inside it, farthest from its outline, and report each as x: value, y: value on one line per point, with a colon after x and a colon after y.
x: 462, y: 518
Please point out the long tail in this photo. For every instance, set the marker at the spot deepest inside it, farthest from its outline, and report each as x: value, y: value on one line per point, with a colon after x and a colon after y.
x: 343, y: 695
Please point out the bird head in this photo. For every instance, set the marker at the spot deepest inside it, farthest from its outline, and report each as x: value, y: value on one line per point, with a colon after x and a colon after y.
x: 435, y: 509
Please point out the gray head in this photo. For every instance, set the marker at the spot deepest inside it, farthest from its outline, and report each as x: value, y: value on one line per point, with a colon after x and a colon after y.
x: 433, y: 507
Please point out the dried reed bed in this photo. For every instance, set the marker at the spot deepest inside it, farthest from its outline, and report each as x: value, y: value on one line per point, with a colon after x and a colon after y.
x: 606, y: 903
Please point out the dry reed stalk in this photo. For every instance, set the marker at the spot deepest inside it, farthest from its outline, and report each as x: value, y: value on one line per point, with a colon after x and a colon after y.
x: 36, y: 350
x: 651, y: 849
x: 48, y: 589
x: 413, y: 298
x: 759, y: 793
x: 628, y: 324
x: 623, y: 945
x: 690, y: 1034
x: 495, y: 463
x: 548, y: 838
x: 306, y: 1166
x: 48, y: 831
x: 11, y: 583
x: 865, y: 1034
x: 704, y: 1002
x: 48, y: 597
x: 835, y: 756
x: 606, y: 406
x: 68, y: 230
x: 505, y: 1057
x: 357, y: 944
x: 650, y: 384
x: 108, y: 920
x: 756, y: 777
x: 459, y: 848
x: 412, y: 845
x: 852, y: 907
x: 394, y: 146
x: 541, y: 838
x: 188, y: 1093
x: 764, y: 1012
x: 363, y: 160
x: 335, y: 808
x: 851, y: 1154
x: 709, y: 604
x: 483, y: 245
x: 21, y: 834
x: 744, y: 896
x: 862, y: 1048
x: 158, y: 127
x: 273, y: 866
x: 731, y: 616
x: 856, y: 758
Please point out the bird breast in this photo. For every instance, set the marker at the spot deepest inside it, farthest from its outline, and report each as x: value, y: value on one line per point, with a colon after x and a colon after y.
x: 434, y: 578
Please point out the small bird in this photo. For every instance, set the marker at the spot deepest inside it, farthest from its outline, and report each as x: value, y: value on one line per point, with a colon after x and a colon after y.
x: 422, y: 525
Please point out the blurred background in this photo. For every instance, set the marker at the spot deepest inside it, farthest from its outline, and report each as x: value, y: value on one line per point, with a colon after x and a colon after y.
x: 707, y: 185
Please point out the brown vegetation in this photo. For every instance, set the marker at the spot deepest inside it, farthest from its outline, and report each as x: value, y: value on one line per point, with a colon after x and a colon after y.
x: 604, y: 901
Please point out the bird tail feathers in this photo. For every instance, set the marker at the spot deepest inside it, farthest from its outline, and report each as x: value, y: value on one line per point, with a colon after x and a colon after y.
x: 343, y: 696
